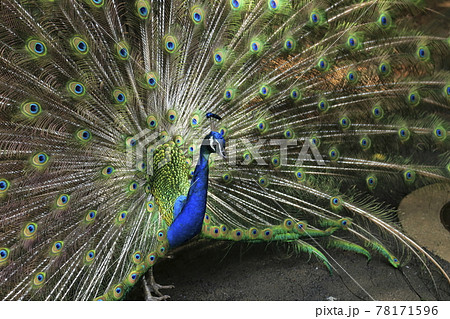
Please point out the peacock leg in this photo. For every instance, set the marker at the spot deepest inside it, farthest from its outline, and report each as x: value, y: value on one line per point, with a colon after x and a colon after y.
x: 154, y: 287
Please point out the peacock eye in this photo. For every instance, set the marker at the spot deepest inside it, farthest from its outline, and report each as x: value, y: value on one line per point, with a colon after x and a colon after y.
x: 170, y: 43
x: 57, y: 248
x: 197, y: 14
x: 84, y: 135
x: 39, y: 47
x: 273, y: 4
x: 29, y: 230
x: 131, y: 142
x: 353, y: 42
x: 235, y: 4
x: 34, y: 108
x: 384, y: 68
x: 218, y: 58
x: 314, y: 18
x: 288, y: 133
x: 62, y: 200
x: 79, y: 88
x: 143, y: 11
x: 3, y: 184
x: 172, y: 116
x: 82, y: 46
x: 3, y: 253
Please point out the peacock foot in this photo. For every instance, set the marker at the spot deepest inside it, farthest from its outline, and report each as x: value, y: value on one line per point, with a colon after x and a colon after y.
x: 154, y: 287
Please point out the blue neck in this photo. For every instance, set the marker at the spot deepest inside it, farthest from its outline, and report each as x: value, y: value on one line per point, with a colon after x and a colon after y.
x: 188, y: 222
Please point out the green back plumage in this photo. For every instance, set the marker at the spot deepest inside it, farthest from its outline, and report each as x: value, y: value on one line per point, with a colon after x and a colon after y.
x: 328, y: 110
x: 169, y: 178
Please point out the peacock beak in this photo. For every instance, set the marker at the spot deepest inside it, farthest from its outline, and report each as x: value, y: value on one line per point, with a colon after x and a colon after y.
x: 220, y: 149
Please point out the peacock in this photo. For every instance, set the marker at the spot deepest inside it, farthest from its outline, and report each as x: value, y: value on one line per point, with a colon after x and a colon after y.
x: 129, y: 129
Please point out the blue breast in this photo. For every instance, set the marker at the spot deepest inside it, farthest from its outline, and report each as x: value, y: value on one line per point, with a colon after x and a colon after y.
x: 189, y: 211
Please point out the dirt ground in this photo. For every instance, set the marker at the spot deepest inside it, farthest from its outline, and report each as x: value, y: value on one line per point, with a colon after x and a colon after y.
x: 210, y: 271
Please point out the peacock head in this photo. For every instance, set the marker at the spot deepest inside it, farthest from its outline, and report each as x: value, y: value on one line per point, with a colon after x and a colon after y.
x: 214, y: 142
